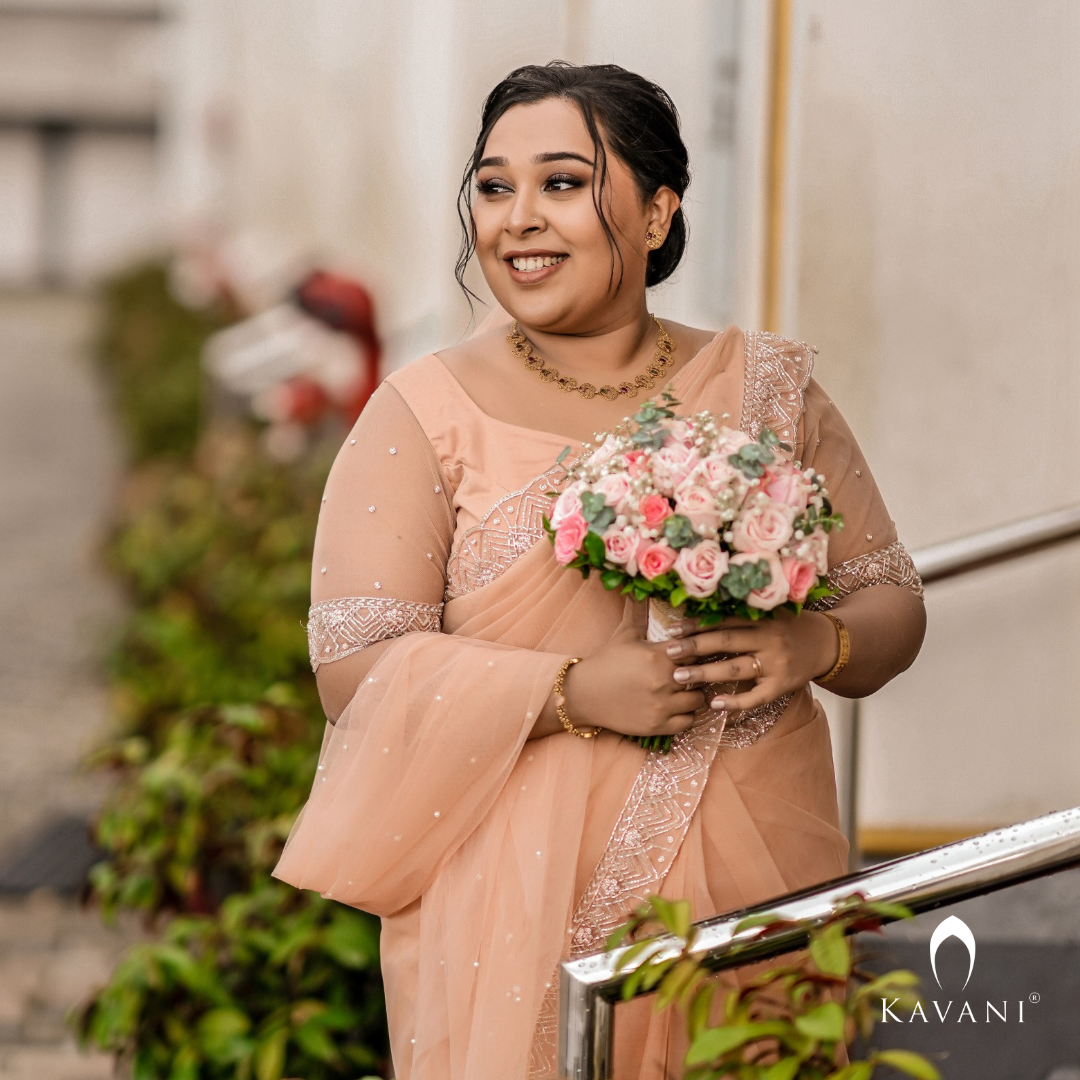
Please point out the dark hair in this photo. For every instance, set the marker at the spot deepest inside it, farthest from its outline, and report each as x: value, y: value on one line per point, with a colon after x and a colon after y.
x: 641, y: 124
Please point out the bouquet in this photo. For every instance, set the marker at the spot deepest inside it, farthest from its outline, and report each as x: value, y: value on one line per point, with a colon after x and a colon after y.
x: 696, y: 516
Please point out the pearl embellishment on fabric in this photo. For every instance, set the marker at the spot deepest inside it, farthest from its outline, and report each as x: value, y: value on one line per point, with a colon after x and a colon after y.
x: 438, y: 488
x: 858, y: 472
x: 352, y: 442
x: 323, y: 570
x: 371, y: 509
x: 378, y: 584
x: 436, y: 813
x: 869, y: 536
x: 393, y: 449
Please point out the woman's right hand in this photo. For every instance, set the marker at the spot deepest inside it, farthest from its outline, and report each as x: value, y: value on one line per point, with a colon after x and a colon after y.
x: 627, y: 687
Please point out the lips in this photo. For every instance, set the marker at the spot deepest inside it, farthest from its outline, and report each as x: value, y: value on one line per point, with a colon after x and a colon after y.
x: 529, y: 267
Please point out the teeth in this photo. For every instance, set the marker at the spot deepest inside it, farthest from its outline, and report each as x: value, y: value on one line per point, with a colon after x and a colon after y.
x: 538, y: 262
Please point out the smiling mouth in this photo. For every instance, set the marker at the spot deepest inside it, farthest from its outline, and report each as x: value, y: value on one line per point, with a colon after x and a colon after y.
x: 523, y: 264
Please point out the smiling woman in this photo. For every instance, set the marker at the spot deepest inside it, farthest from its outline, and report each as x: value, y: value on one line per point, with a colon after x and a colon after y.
x: 453, y: 798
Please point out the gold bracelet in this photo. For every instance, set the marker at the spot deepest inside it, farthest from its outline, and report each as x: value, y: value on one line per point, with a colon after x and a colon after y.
x: 845, y: 648
x: 560, y: 701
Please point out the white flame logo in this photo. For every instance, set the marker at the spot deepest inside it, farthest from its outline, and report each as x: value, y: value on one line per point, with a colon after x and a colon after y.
x: 957, y: 928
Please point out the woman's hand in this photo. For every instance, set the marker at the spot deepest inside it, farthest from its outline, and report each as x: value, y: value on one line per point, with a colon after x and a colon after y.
x: 627, y: 687
x: 778, y: 655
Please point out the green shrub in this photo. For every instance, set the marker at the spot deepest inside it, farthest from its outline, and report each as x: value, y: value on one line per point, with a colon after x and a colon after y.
x: 217, y: 728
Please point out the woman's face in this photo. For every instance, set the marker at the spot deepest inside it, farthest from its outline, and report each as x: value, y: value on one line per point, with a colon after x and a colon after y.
x: 534, y: 208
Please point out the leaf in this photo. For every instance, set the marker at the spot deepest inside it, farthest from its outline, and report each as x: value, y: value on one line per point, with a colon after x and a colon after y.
x: 713, y: 1042
x: 857, y: 1070
x: 594, y: 547
x: 563, y: 456
x: 824, y: 1022
x: 612, y: 579
x: 270, y: 1055
x: 909, y: 1062
x: 830, y: 950
x: 785, y: 1069
x: 352, y: 941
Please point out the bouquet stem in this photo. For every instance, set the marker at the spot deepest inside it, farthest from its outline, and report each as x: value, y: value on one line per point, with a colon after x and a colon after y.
x: 662, y: 616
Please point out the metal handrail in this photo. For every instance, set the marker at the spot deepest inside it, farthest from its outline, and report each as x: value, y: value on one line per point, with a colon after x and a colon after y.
x: 997, y: 545
x: 590, y: 987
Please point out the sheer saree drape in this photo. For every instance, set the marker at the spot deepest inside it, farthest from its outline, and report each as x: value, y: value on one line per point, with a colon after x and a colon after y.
x: 490, y: 857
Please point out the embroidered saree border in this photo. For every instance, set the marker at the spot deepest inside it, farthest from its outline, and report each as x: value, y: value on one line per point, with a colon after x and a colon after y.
x: 341, y: 627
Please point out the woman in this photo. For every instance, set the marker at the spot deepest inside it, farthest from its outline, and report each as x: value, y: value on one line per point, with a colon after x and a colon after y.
x: 449, y: 798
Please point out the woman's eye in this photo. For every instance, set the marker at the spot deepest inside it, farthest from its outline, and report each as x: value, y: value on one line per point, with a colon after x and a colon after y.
x: 562, y: 182
x: 491, y: 187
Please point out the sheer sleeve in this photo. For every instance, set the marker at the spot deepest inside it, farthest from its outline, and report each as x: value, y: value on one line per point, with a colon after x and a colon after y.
x: 383, y: 538
x: 867, y: 550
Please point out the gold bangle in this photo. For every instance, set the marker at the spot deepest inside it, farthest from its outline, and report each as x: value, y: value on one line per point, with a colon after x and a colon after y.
x: 845, y: 648
x: 560, y: 702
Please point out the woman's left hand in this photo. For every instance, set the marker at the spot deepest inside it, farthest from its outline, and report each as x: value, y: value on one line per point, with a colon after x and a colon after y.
x: 778, y: 655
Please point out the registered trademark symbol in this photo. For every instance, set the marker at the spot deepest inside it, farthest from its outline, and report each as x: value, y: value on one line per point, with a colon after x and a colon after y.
x: 1033, y: 998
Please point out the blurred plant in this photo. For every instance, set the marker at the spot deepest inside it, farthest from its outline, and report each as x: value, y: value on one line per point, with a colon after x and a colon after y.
x: 217, y: 731
x: 789, y: 1022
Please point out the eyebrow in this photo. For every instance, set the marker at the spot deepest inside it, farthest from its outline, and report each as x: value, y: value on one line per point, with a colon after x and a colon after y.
x: 539, y: 159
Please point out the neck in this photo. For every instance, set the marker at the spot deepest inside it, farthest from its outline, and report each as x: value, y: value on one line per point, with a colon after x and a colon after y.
x: 606, y: 350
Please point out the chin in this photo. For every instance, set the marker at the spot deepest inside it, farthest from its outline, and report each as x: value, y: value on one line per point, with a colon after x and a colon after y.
x: 557, y: 313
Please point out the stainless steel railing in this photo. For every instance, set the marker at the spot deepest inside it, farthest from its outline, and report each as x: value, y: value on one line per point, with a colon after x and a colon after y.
x: 953, y: 558
x: 590, y: 987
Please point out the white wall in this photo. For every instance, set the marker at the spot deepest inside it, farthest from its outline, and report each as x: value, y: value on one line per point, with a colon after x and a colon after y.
x: 938, y: 185
x: 340, y: 131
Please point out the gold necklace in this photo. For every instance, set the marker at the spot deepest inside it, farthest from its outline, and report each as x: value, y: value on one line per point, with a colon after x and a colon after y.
x: 522, y: 348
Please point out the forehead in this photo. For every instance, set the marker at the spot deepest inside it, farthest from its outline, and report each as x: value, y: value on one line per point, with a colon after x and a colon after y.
x: 543, y: 126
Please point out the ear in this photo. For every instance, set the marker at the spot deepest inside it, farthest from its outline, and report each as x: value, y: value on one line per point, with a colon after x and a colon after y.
x: 661, y: 209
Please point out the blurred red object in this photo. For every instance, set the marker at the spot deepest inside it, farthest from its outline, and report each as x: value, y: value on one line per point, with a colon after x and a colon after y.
x: 345, y: 305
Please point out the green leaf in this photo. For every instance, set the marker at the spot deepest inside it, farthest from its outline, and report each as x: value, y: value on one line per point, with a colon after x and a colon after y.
x: 594, y: 547
x: 352, y: 941
x: 830, y: 951
x: 563, y: 456
x: 612, y: 579
x: 713, y: 1042
x: 909, y: 1062
x: 824, y: 1022
x: 786, y: 1069
x: 857, y: 1070
x: 270, y: 1055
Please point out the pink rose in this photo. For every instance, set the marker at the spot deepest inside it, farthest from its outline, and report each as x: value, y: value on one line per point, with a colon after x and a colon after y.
x: 698, y: 503
x: 718, y: 473
x: 680, y: 431
x: 620, y: 546
x: 671, y: 465
x: 568, y: 503
x: 773, y: 594
x: 656, y: 559
x: 732, y: 440
x: 604, y: 451
x: 654, y: 508
x: 568, y: 538
x: 801, y: 577
x: 787, y: 486
x: 635, y: 462
x: 615, y: 487
x: 765, y: 527
x: 701, y: 567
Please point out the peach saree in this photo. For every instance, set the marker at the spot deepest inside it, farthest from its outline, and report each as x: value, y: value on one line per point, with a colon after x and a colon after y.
x: 490, y: 857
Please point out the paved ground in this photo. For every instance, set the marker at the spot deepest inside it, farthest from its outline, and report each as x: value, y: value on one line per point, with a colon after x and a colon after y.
x: 58, y: 465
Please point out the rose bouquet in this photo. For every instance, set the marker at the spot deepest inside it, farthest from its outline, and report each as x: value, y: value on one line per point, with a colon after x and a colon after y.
x: 692, y: 515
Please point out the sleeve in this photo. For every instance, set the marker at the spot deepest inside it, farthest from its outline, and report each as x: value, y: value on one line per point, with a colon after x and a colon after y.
x: 384, y: 534
x: 867, y: 550
x: 433, y: 728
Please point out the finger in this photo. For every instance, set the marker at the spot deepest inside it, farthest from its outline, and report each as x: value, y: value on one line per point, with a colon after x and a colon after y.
x: 713, y: 642
x: 686, y: 701
x: 679, y: 723
x: 762, y: 694
x: 738, y: 669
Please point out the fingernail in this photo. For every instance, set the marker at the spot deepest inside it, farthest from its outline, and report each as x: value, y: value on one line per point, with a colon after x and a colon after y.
x: 682, y: 674
x: 676, y: 630
x: 718, y: 704
x: 675, y: 649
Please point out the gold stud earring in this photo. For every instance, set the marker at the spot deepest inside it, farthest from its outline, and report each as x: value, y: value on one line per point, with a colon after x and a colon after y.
x: 653, y: 239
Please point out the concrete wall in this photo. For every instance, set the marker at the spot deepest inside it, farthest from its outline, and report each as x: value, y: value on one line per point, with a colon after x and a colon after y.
x: 938, y: 259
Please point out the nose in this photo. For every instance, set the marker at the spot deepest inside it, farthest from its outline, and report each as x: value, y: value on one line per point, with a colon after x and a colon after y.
x: 522, y: 219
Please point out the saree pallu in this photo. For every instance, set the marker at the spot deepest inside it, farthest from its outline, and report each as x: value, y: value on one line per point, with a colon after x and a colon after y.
x: 488, y: 856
